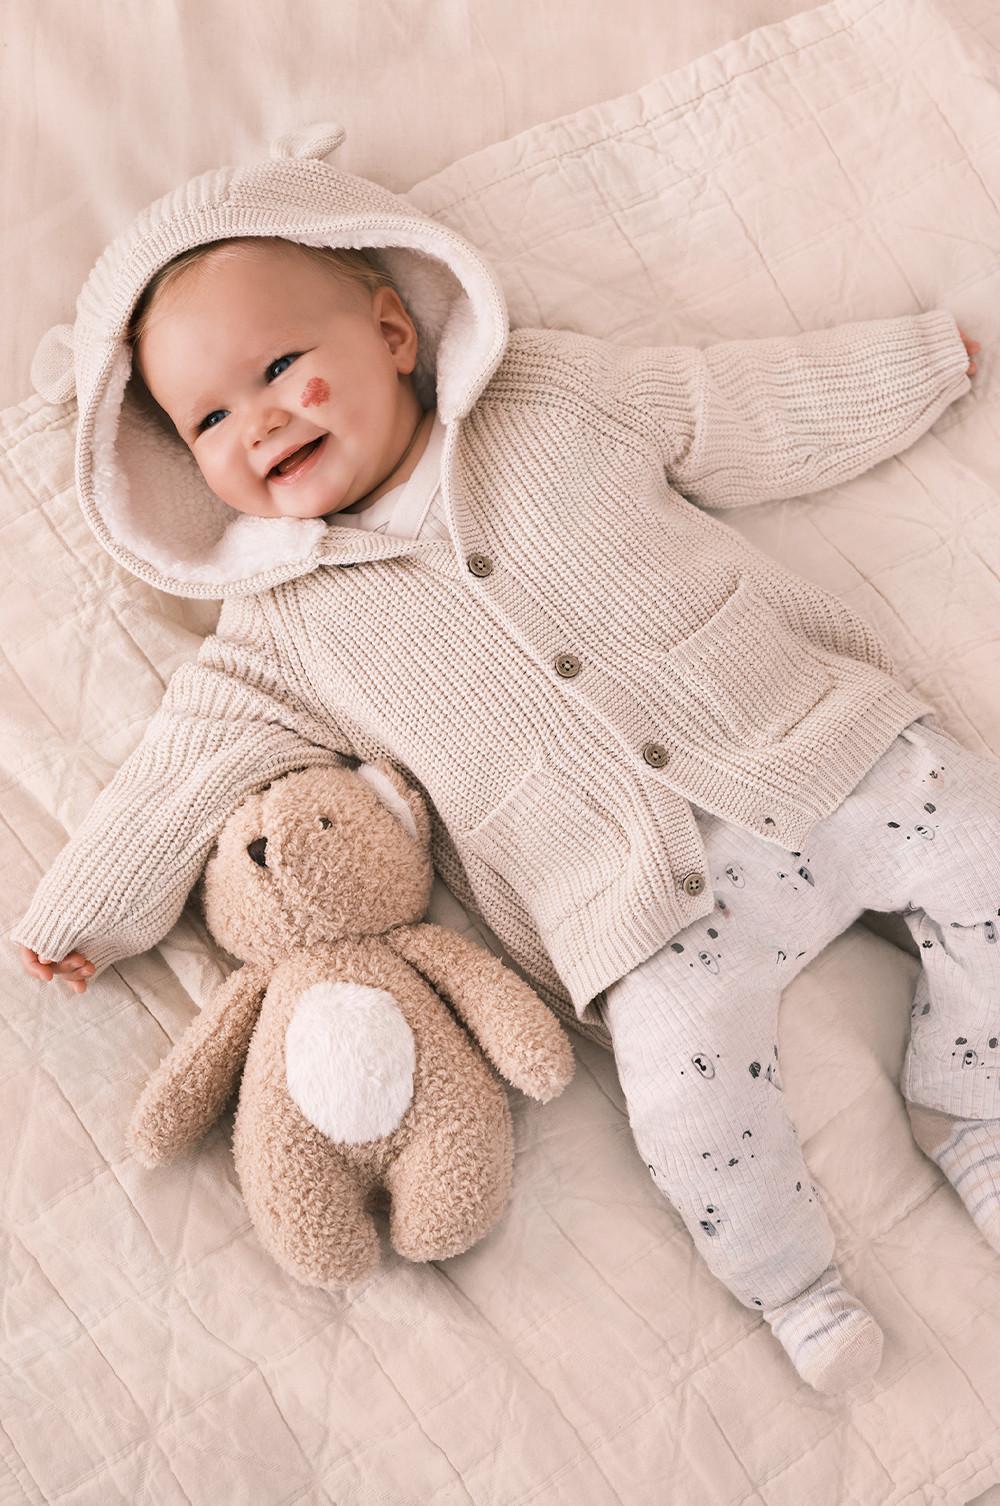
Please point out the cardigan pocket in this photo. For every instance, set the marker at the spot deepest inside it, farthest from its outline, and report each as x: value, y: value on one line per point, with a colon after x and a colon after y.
x: 554, y: 842
x: 742, y: 677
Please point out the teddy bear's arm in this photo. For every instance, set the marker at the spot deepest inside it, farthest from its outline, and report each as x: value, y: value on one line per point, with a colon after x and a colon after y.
x: 190, y: 1087
x: 517, y: 1032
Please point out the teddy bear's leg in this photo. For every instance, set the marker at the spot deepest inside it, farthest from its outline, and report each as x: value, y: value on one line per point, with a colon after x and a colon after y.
x: 451, y: 1183
x: 306, y: 1202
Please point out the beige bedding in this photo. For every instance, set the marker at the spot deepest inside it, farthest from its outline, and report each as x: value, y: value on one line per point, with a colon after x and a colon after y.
x: 842, y: 164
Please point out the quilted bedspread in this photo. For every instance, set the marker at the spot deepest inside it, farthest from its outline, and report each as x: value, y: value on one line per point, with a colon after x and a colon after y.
x: 842, y: 164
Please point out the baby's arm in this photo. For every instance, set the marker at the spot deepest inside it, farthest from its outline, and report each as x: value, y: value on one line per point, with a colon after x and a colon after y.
x: 747, y: 421
x: 228, y: 723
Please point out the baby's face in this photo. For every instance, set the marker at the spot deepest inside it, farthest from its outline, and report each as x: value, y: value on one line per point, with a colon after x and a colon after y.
x: 259, y: 353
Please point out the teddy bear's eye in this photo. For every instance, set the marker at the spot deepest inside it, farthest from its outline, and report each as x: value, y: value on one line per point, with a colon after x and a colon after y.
x: 325, y: 821
x: 256, y: 849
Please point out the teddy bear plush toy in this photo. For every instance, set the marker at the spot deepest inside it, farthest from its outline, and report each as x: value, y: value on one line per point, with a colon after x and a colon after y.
x: 358, y: 1087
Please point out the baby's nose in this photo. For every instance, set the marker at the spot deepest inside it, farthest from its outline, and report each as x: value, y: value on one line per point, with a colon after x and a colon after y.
x: 262, y: 425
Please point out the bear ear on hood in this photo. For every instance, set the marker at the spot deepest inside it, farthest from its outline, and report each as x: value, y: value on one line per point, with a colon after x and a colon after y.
x: 309, y: 141
x: 52, y: 365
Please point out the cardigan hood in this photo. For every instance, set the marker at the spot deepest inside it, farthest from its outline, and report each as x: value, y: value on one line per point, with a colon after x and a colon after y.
x: 137, y: 482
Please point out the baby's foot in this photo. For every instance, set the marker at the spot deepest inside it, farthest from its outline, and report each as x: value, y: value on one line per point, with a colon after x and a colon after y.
x: 968, y: 1152
x: 830, y: 1337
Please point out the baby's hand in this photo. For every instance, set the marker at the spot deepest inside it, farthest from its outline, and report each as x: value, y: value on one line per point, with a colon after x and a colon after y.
x: 970, y: 346
x: 75, y: 968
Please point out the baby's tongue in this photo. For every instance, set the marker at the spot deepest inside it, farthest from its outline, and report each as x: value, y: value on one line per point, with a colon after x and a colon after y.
x: 300, y: 454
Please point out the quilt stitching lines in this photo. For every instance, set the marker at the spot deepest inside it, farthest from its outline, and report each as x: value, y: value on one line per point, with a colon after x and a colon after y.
x: 676, y: 107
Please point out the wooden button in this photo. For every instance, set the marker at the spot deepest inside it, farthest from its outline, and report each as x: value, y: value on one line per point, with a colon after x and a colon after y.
x: 480, y: 564
x: 655, y: 754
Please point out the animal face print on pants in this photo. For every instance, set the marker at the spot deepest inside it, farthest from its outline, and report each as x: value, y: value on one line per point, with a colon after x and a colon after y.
x: 694, y: 1026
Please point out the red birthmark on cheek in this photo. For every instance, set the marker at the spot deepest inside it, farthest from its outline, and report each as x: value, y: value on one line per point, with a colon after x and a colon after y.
x: 315, y: 391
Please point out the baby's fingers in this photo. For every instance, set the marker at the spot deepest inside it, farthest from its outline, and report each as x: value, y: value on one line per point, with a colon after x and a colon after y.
x: 75, y: 969
x: 971, y: 346
x: 77, y: 962
x: 33, y: 964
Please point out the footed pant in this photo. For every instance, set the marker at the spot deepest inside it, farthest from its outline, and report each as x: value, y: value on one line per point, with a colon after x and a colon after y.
x: 694, y: 1027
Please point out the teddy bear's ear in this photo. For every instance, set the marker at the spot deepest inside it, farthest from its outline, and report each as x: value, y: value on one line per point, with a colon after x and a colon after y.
x: 396, y: 795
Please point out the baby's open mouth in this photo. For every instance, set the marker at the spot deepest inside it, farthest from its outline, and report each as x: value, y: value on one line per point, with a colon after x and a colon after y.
x: 292, y: 463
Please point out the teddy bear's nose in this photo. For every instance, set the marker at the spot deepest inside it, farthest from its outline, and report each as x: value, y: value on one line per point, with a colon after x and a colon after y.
x: 256, y: 849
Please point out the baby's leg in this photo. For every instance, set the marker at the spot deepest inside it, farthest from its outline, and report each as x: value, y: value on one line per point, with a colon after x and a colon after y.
x: 931, y: 813
x: 694, y: 1030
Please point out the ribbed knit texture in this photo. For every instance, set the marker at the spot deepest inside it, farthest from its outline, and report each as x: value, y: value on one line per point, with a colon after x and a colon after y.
x: 830, y: 1337
x: 968, y: 1152
x: 698, y: 668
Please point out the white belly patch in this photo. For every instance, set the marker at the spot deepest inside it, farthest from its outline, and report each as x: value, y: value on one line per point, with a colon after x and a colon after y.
x: 349, y: 1061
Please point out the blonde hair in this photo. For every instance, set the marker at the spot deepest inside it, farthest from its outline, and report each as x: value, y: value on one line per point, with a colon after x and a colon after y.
x: 351, y: 264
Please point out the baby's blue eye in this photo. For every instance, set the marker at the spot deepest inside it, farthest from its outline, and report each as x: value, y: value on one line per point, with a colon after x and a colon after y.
x: 279, y: 361
x: 206, y: 421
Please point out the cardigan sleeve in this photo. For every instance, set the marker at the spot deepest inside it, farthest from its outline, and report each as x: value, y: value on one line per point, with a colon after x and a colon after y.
x: 746, y: 421
x: 227, y: 725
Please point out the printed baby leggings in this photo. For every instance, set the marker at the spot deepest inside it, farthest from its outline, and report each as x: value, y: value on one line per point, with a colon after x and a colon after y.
x: 694, y: 1028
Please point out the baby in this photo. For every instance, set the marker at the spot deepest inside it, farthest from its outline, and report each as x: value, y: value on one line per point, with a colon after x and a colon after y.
x: 664, y: 770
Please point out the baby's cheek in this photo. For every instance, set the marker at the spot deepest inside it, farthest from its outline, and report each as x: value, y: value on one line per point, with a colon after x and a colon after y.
x: 314, y: 392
